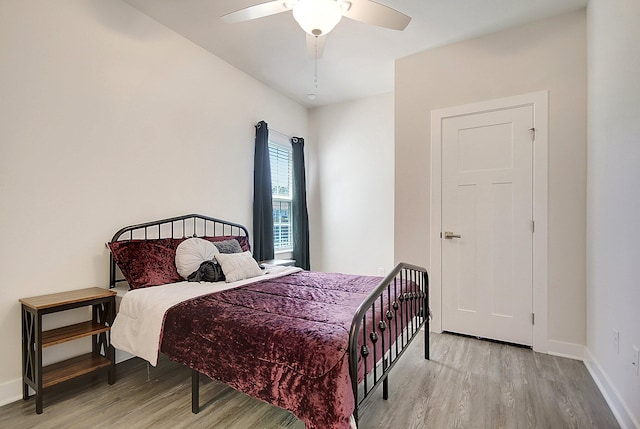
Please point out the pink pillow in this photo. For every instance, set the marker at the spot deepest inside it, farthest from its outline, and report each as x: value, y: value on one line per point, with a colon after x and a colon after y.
x: 147, y: 263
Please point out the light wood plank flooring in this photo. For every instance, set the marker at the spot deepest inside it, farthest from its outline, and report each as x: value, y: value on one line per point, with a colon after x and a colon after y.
x: 468, y: 383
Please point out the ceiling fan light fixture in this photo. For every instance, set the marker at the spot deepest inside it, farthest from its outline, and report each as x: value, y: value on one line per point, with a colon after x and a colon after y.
x: 317, y: 17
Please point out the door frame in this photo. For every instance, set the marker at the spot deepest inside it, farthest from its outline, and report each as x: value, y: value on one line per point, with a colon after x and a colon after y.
x: 540, y: 103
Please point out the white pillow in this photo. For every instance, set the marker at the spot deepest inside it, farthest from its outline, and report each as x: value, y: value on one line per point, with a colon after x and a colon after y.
x: 238, y: 266
x: 191, y: 253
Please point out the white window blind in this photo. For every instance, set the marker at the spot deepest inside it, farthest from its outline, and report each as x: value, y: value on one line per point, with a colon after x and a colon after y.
x: 281, y: 159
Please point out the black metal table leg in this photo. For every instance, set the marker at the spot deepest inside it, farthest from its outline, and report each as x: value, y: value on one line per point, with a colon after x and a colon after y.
x: 26, y: 351
x: 38, y: 365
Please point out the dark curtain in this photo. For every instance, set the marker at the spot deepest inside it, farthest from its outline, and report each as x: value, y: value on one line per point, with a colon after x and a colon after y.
x: 299, y: 207
x: 262, y: 203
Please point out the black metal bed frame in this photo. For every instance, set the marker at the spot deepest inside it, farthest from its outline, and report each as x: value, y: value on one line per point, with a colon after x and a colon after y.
x: 402, y: 310
x: 190, y: 225
x: 392, y: 314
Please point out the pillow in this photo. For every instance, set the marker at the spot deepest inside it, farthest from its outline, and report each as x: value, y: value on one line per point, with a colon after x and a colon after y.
x: 191, y: 253
x: 243, y: 240
x: 228, y: 246
x: 147, y: 263
x: 238, y: 266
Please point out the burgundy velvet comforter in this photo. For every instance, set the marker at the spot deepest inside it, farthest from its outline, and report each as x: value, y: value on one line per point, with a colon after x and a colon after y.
x: 283, y: 341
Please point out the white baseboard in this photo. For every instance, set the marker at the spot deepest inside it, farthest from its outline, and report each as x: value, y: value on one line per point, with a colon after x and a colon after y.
x: 620, y: 410
x: 567, y: 350
x: 10, y: 391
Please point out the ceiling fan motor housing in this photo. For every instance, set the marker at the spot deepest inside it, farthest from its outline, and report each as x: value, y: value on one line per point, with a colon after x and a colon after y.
x: 317, y: 17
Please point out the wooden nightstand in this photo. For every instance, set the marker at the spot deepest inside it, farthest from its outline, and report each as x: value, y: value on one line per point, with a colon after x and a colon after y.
x: 36, y: 376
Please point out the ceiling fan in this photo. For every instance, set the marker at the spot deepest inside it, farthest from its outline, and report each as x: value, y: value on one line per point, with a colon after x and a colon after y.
x: 318, y: 17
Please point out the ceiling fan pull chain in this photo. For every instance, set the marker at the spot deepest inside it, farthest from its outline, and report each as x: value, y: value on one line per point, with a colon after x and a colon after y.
x: 315, y: 64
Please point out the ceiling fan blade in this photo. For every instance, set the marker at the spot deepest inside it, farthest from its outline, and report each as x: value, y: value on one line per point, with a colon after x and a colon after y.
x: 374, y: 13
x: 257, y: 11
x: 315, y: 46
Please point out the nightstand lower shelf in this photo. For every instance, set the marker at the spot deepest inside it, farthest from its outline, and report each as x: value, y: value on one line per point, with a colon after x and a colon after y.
x: 71, y: 368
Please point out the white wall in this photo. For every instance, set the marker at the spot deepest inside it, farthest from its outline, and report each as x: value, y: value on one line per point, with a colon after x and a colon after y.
x: 350, y: 186
x: 545, y: 55
x: 613, y: 208
x: 109, y: 119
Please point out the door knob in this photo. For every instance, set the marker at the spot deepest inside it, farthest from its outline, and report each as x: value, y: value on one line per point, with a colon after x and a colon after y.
x: 449, y: 235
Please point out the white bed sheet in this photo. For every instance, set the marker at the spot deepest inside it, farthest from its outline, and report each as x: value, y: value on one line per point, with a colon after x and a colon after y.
x: 138, y: 324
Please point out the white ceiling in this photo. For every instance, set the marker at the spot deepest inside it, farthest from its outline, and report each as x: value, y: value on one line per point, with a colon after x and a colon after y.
x: 358, y: 59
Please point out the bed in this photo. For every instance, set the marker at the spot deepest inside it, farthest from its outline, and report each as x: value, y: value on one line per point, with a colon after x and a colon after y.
x: 315, y: 344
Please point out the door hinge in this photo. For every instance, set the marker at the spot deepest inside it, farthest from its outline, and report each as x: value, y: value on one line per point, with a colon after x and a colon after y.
x: 533, y: 134
x: 440, y: 234
x: 533, y: 318
x: 533, y: 226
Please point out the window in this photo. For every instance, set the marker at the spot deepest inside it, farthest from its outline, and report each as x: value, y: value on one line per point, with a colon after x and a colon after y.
x: 281, y: 159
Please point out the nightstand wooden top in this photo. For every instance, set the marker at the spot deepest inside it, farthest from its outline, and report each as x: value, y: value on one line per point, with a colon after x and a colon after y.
x: 69, y: 297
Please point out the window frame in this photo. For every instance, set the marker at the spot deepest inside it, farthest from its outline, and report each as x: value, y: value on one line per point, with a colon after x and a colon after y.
x: 282, y: 142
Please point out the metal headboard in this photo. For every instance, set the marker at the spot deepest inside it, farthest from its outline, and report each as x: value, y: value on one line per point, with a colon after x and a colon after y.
x: 190, y: 225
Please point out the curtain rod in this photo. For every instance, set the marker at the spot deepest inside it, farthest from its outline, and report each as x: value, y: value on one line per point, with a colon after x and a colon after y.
x: 280, y: 133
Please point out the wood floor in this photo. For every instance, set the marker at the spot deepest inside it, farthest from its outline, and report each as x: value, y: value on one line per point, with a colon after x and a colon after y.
x: 468, y: 383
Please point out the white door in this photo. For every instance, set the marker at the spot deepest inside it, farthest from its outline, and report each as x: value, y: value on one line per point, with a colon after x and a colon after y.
x: 487, y: 200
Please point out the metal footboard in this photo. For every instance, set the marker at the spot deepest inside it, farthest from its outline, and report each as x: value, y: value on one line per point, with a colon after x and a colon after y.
x: 384, y: 326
